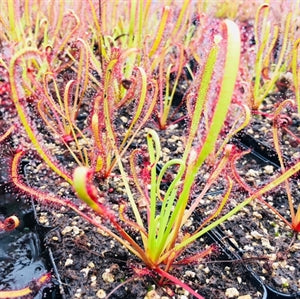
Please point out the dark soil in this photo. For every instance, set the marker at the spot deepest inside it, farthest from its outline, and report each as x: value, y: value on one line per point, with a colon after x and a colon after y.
x: 92, y: 265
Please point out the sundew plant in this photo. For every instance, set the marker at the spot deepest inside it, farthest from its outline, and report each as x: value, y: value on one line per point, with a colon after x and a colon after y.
x: 84, y: 83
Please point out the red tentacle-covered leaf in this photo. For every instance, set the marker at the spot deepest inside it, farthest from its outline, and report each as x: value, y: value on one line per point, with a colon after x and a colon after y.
x: 7, y: 132
x: 296, y: 221
x: 10, y: 223
x: 198, y: 256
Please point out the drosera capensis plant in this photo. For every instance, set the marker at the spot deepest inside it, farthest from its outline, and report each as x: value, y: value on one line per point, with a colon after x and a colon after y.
x: 52, y: 28
x: 49, y: 26
x: 131, y: 26
x: 17, y: 28
x: 274, y: 45
x: 88, y: 192
x: 277, y: 124
x: 141, y: 95
x: 280, y: 122
x: 59, y: 111
x: 160, y: 234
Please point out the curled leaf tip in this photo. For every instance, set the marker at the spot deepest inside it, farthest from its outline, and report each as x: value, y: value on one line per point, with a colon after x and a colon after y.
x: 84, y: 187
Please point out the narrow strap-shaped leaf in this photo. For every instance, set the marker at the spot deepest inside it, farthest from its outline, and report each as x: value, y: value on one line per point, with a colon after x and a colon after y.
x: 34, y: 54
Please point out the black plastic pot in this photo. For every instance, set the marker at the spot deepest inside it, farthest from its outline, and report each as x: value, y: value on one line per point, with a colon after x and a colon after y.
x: 231, y: 256
x: 258, y: 148
x: 265, y: 155
x: 23, y: 256
x: 272, y: 293
x: 56, y: 290
x: 268, y: 291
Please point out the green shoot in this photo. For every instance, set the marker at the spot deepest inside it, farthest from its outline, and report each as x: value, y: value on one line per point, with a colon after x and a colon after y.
x: 296, y: 71
x: 266, y: 35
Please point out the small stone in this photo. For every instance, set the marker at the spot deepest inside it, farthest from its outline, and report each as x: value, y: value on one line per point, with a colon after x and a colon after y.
x: 43, y: 219
x: 250, y: 131
x: 269, y: 169
x: 232, y: 293
x: 244, y: 297
x: 66, y: 230
x: 78, y: 293
x: 188, y: 223
x: 248, y: 248
x: 272, y: 257
x: 124, y: 119
x: 69, y: 262
x: 85, y: 271
x: 108, y: 277
x: 252, y: 173
x: 257, y: 215
x: 190, y: 274
x: 91, y: 265
x: 256, y: 235
x: 93, y: 281
x: 292, y: 268
x: 266, y: 243
x: 101, y: 294
x: 152, y: 295
x: 76, y: 230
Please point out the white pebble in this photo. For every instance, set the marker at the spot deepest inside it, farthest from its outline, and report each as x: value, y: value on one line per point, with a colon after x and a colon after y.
x: 152, y: 295
x: 66, y: 230
x: 101, y: 294
x: 190, y: 274
x: 256, y: 235
x: 232, y: 293
x: 69, y: 262
x: 85, y: 271
x: 252, y: 173
x: 108, y: 277
x: 269, y: 169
